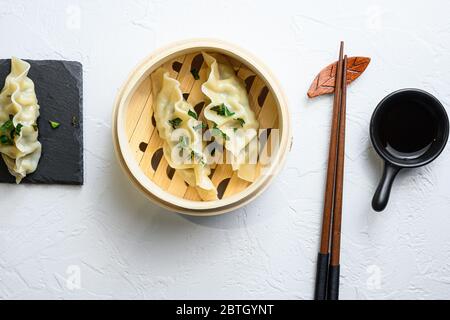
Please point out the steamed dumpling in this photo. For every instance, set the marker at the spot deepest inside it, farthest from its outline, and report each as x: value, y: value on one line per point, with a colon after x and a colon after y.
x: 19, y: 111
x: 182, y: 134
x: 230, y: 114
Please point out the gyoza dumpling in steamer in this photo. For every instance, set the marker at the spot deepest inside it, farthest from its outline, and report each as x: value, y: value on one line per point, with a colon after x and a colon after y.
x: 182, y: 134
x: 19, y: 111
x: 230, y: 115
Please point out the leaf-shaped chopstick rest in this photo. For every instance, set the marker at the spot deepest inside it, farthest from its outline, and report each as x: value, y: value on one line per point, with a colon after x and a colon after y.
x: 325, y: 81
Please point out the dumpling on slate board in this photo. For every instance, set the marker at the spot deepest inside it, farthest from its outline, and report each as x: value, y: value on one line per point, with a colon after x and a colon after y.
x: 59, y: 89
x: 19, y: 111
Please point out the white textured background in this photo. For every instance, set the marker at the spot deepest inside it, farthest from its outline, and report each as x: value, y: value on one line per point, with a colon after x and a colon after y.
x: 124, y: 247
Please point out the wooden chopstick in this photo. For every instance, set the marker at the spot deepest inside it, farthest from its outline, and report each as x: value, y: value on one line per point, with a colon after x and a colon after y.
x: 323, y: 256
x: 334, y: 269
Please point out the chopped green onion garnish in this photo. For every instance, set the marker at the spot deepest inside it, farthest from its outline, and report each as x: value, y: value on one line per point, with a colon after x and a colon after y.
x: 175, y: 123
x: 195, y: 156
x: 222, y: 110
x: 200, y: 126
x: 241, y: 121
x: 217, y: 132
x: 54, y: 124
x: 183, y: 141
x: 18, y: 129
x: 193, y: 114
x: 8, y: 125
x: 74, y: 121
x: 195, y: 73
x: 9, y: 131
x: 5, y: 140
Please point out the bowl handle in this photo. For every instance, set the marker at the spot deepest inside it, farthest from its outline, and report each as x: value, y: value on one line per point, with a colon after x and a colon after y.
x: 381, y: 197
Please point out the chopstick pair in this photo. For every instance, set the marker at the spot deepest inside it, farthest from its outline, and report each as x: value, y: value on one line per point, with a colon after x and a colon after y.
x: 328, y: 263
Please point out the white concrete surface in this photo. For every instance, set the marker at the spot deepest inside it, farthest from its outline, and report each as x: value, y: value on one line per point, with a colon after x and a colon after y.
x: 121, y: 246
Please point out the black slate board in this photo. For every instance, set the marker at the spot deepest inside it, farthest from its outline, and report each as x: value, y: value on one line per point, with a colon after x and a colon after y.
x: 59, y: 89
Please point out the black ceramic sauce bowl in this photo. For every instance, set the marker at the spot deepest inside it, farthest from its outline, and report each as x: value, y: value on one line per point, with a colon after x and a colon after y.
x: 409, y: 129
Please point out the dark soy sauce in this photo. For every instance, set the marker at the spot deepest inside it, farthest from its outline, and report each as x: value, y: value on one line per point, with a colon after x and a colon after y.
x: 408, y: 128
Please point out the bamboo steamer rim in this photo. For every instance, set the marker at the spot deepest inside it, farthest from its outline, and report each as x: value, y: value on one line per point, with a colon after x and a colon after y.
x: 151, y: 189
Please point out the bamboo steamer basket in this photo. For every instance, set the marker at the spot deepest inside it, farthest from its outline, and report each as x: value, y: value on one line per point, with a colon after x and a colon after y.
x: 138, y: 146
